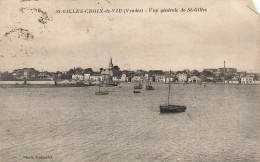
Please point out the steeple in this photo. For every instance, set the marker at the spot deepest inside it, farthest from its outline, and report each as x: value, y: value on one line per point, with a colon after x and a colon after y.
x: 110, y: 66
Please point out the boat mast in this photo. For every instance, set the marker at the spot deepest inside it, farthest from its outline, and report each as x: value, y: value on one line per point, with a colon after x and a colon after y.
x: 169, y: 88
x: 99, y: 84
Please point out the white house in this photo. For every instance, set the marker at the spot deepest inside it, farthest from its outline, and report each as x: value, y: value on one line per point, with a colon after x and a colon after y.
x: 115, y: 78
x: 159, y: 78
x: 234, y: 81
x: 247, y: 80
x: 78, y: 77
x: 95, y: 77
x: 123, y: 78
x: 169, y: 79
x: 137, y: 78
x: 194, y: 79
x: 182, y: 77
x: 86, y: 77
x: 146, y: 76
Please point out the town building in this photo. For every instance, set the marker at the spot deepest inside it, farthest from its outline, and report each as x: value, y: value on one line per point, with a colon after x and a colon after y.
x: 234, y: 80
x: 160, y: 78
x: 242, y: 74
x: 18, y: 74
x: 124, y: 78
x: 95, y: 76
x: 182, y: 77
x: 43, y: 75
x: 115, y: 78
x: 146, y: 76
x: 137, y: 78
x: 25, y: 73
x: 107, y: 73
x: 227, y: 70
x: 194, y: 79
x: 169, y: 79
x: 209, y: 79
x: 247, y: 80
x: 151, y: 78
x: 86, y: 77
x: 79, y: 77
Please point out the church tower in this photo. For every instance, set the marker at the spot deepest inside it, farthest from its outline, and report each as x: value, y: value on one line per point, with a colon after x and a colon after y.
x: 110, y: 66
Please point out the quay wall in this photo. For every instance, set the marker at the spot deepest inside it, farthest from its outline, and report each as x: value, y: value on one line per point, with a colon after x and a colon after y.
x: 41, y: 82
x: 11, y: 82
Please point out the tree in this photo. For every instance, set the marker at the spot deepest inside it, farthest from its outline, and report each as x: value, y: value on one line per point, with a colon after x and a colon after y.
x: 195, y: 73
x: 181, y: 72
x: 72, y: 71
x: 79, y: 70
x: 116, y: 71
x: 68, y: 76
x: 207, y: 73
x: 6, y: 76
x: 228, y: 76
x: 88, y: 70
x: 187, y: 71
x: 141, y: 72
x: 101, y: 69
x: 116, y: 68
x: 256, y: 78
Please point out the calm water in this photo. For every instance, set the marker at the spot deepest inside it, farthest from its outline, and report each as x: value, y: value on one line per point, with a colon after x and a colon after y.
x: 72, y: 124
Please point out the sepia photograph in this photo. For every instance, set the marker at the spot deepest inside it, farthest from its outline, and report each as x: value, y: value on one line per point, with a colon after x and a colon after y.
x: 129, y: 81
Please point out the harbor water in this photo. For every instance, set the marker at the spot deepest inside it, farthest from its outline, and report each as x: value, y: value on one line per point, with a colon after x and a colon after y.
x: 70, y: 124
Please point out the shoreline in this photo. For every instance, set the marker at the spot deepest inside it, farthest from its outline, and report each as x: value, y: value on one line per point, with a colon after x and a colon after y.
x: 86, y: 85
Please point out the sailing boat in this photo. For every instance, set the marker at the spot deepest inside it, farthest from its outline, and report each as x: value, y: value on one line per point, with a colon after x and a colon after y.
x: 149, y: 86
x: 171, y: 108
x: 140, y: 86
x: 101, y: 92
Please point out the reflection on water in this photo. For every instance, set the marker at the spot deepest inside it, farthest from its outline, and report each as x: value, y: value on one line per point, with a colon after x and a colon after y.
x: 72, y: 124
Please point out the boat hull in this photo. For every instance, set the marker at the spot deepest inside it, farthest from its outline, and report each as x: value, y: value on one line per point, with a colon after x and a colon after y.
x: 172, y: 109
x: 148, y: 87
x: 109, y: 85
x: 41, y: 85
x: 112, y: 84
x: 138, y: 87
x: 102, y: 93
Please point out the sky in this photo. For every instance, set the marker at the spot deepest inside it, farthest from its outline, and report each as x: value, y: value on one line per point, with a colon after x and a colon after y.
x: 228, y: 31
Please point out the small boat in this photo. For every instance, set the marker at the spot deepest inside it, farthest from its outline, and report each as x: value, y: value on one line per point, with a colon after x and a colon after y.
x: 149, y: 87
x: 113, y: 84
x: 101, y: 92
x: 137, y: 91
x: 140, y: 86
x: 171, y: 108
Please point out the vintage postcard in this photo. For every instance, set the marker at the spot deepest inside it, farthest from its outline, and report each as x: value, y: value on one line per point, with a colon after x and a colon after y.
x: 108, y: 80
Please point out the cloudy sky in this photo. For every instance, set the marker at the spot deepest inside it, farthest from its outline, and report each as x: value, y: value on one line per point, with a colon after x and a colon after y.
x: 32, y: 34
